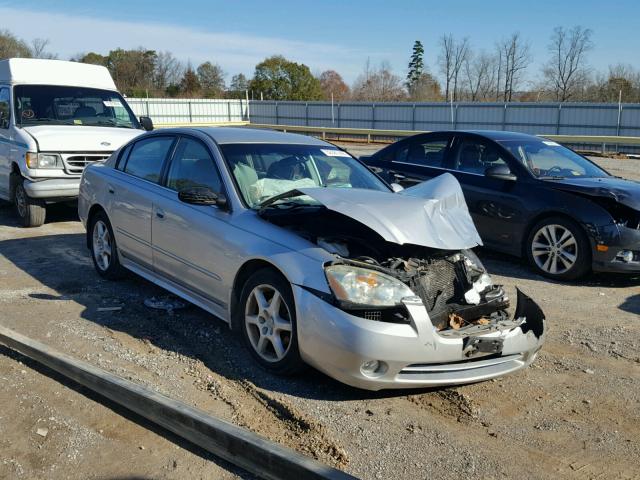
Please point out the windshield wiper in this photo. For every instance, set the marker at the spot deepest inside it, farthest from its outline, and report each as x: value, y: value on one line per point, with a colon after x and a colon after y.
x: 271, y: 200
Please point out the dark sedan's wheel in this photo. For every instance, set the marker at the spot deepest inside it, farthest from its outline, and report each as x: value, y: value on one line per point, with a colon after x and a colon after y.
x: 558, y: 248
x: 269, y: 322
x: 32, y: 211
x: 103, y: 248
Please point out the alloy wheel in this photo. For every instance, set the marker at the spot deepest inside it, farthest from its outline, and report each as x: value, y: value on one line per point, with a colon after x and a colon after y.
x: 554, y: 249
x: 268, y: 323
x: 102, y: 245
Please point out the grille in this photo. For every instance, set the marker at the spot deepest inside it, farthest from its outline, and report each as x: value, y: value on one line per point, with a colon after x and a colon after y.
x: 373, y: 315
x: 75, y: 164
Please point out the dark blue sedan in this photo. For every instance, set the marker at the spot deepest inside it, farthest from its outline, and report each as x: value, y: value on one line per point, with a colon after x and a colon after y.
x: 529, y: 197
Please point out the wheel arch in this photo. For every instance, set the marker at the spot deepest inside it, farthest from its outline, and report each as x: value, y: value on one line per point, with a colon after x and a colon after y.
x: 244, y: 272
x: 95, y: 208
x: 15, y: 170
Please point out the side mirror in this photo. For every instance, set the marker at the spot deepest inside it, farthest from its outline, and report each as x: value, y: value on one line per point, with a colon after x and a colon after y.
x: 501, y: 172
x: 202, y: 196
x: 396, y: 187
x: 146, y: 123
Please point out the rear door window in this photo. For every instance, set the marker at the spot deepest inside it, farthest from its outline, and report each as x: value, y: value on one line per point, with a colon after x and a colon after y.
x: 429, y: 153
x: 147, y: 157
x: 474, y: 156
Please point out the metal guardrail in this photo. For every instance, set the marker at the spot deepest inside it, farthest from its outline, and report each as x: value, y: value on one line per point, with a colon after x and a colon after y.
x: 372, y: 134
x: 385, y: 136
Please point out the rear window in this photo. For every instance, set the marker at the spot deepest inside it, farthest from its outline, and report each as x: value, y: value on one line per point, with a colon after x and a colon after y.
x: 147, y: 157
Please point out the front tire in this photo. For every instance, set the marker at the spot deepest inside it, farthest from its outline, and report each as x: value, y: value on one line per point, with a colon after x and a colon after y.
x: 104, y: 251
x: 269, y: 327
x: 558, y: 248
x: 32, y: 211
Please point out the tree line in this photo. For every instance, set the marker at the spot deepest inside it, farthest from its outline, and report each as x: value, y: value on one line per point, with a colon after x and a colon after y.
x: 463, y: 73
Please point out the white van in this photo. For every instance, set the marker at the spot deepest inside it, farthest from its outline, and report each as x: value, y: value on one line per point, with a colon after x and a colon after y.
x: 56, y: 117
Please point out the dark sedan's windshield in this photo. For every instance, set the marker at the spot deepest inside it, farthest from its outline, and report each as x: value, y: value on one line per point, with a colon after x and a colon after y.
x: 58, y: 105
x: 549, y: 159
x: 263, y: 171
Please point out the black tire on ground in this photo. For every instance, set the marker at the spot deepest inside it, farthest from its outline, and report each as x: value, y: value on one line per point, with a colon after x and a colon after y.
x: 572, y: 255
x: 32, y: 211
x: 290, y: 363
x: 101, y: 241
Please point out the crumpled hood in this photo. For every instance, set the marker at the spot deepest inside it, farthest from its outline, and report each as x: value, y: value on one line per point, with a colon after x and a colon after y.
x: 626, y: 192
x: 432, y: 214
x: 79, y: 138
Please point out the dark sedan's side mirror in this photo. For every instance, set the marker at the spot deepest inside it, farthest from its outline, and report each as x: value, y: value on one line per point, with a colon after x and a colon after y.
x: 146, y: 123
x: 202, y: 196
x: 501, y: 172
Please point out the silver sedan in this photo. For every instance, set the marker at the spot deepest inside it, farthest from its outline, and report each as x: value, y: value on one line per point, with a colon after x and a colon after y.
x: 309, y: 255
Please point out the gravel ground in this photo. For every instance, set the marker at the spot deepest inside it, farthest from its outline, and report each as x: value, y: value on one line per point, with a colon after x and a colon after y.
x: 573, y: 414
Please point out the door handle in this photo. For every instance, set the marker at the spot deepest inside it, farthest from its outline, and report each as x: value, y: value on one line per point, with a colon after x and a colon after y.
x: 110, y: 189
x: 398, y: 176
x: 159, y: 213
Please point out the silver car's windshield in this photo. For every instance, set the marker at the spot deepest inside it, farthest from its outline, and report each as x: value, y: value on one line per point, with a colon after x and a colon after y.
x: 61, y: 105
x: 263, y: 171
x: 546, y: 159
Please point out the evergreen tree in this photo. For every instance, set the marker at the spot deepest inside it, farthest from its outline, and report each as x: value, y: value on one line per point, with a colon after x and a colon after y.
x: 416, y: 66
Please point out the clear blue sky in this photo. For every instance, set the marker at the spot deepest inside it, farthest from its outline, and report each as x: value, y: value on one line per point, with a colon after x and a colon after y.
x: 322, y: 34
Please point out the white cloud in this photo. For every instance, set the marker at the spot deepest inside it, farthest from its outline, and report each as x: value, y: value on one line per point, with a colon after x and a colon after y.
x: 235, y: 52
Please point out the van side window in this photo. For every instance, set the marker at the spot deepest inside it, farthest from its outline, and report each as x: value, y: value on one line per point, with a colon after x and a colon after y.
x: 147, y: 157
x: 5, y: 108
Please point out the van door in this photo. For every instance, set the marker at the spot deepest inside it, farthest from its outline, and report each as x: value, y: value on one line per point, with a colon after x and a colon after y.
x: 6, y: 141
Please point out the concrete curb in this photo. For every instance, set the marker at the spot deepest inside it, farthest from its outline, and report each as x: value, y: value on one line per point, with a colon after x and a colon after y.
x: 225, y: 440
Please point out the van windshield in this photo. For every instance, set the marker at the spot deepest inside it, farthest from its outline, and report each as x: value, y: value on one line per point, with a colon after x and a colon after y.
x: 58, y: 105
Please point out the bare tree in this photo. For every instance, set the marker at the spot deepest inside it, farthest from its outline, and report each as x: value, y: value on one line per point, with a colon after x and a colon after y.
x: 39, y: 49
x: 566, y: 71
x: 514, y: 56
x: 168, y: 71
x: 453, y: 55
x: 378, y: 85
x: 480, y: 76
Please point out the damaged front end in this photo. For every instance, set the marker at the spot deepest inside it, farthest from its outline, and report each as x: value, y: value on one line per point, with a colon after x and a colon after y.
x: 417, y: 306
x: 454, y: 288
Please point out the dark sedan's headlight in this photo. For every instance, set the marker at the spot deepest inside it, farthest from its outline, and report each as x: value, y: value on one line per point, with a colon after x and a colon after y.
x: 364, y: 287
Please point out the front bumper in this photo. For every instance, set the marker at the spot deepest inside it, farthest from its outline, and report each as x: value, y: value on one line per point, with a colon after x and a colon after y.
x: 617, y: 239
x: 52, y: 188
x: 415, y: 354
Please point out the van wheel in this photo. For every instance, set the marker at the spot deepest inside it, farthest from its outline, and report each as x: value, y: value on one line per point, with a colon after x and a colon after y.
x: 104, y: 251
x: 31, y: 211
x: 269, y: 324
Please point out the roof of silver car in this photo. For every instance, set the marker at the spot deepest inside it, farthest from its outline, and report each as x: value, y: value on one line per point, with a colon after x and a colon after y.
x: 256, y: 135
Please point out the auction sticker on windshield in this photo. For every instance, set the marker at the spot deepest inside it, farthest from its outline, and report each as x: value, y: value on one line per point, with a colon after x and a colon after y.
x: 334, y: 153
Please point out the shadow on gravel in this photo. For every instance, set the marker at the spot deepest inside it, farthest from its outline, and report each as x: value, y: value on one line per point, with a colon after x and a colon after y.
x: 57, y: 212
x: 123, y: 412
x: 631, y: 304
x: 62, y: 263
x: 510, y: 266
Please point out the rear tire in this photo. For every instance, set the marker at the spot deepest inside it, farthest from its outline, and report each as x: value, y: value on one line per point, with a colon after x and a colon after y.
x: 558, y: 248
x: 268, y: 322
x: 32, y: 211
x: 104, y: 251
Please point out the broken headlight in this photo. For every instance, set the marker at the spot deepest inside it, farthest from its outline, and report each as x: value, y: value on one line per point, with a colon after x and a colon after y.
x: 362, y: 286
